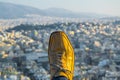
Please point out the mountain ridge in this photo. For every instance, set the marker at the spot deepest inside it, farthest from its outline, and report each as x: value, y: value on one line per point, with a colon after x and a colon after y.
x: 10, y: 10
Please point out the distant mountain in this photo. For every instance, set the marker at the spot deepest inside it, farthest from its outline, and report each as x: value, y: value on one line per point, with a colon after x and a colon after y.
x: 9, y: 10
x: 59, y: 12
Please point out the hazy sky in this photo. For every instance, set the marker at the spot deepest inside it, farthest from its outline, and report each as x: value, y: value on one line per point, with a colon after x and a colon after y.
x: 111, y: 7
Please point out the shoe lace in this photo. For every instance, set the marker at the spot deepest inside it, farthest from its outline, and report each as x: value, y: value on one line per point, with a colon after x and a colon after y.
x: 59, y: 64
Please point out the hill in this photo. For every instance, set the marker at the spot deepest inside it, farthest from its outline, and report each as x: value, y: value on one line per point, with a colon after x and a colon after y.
x: 9, y: 10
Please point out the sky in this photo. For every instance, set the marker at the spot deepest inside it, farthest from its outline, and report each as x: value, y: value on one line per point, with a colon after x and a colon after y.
x: 109, y: 7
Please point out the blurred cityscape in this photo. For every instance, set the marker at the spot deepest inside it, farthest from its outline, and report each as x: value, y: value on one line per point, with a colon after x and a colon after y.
x: 24, y: 44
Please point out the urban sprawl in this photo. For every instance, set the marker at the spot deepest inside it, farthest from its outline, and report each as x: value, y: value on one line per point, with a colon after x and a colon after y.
x: 24, y: 44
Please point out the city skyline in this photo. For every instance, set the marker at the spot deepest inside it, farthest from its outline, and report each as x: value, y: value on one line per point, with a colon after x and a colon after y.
x: 109, y: 7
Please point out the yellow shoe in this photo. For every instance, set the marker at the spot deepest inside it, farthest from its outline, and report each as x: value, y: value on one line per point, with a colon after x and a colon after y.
x: 61, y: 55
